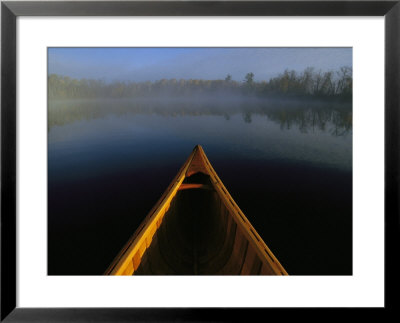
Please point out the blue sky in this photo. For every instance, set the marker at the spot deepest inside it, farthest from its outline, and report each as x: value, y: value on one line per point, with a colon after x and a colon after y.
x: 150, y: 64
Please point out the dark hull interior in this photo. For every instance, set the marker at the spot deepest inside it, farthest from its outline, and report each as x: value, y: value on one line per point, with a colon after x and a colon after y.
x: 198, y: 236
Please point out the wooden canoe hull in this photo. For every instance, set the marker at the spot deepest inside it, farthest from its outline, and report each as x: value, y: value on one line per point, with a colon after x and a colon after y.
x: 196, y: 228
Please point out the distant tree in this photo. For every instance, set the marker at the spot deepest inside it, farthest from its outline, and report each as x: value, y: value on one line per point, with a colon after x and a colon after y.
x: 249, y: 78
x: 307, y: 80
x: 345, y: 83
x: 228, y: 78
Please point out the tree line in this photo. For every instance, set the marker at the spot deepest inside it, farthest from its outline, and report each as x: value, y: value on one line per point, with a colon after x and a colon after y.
x: 309, y: 83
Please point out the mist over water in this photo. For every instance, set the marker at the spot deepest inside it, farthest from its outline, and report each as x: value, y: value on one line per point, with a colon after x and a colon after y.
x: 254, y: 128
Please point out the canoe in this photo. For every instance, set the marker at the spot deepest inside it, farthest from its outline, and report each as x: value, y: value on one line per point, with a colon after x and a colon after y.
x: 196, y: 228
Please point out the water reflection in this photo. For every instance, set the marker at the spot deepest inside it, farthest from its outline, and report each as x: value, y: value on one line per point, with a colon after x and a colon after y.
x: 307, y: 116
x: 288, y: 164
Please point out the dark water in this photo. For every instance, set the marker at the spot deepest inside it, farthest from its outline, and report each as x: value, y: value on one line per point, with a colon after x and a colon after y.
x: 287, y: 164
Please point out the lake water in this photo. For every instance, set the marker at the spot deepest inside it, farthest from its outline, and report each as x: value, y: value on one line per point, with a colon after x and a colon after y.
x: 287, y: 164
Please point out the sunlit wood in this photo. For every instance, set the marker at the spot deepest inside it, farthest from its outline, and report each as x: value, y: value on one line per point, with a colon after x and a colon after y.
x: 183, y: 235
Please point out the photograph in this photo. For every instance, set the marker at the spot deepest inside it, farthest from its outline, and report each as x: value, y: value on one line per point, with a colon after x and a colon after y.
x: 200, y: 161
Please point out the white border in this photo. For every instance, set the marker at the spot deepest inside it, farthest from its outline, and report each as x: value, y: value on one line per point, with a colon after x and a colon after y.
x: 364, y: 288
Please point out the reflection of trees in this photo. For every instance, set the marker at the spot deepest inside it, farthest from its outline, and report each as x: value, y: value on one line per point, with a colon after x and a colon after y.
x: 247, y: 117
x: 311, y: 119
x: 307, y: 116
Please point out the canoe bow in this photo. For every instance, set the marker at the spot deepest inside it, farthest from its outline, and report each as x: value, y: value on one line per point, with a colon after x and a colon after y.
x: 243, y: 250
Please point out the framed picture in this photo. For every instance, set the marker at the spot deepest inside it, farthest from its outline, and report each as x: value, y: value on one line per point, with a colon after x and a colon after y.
x: 102, y: 103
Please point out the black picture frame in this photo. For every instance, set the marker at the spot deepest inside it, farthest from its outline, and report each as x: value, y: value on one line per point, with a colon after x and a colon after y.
x: 10, y: 10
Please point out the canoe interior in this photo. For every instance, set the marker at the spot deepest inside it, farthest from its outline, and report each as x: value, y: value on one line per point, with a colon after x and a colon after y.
x: 197, y: 229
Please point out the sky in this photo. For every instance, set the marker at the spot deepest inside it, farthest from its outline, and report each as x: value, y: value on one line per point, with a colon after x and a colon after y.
x: 151, y: 64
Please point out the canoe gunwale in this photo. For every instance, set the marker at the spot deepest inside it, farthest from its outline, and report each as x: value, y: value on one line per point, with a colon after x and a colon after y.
x: 154, y: 215
x: 260, y: 246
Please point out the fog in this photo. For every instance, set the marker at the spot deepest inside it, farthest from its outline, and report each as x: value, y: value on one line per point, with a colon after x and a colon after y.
x: 288, y: 84
x: 309, y: 99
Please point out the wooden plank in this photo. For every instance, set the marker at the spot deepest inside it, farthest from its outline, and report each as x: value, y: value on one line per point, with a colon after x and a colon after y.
x: 195, y: 186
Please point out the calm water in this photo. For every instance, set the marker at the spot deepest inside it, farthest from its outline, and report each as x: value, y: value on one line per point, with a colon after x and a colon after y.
x: 287, y: 164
